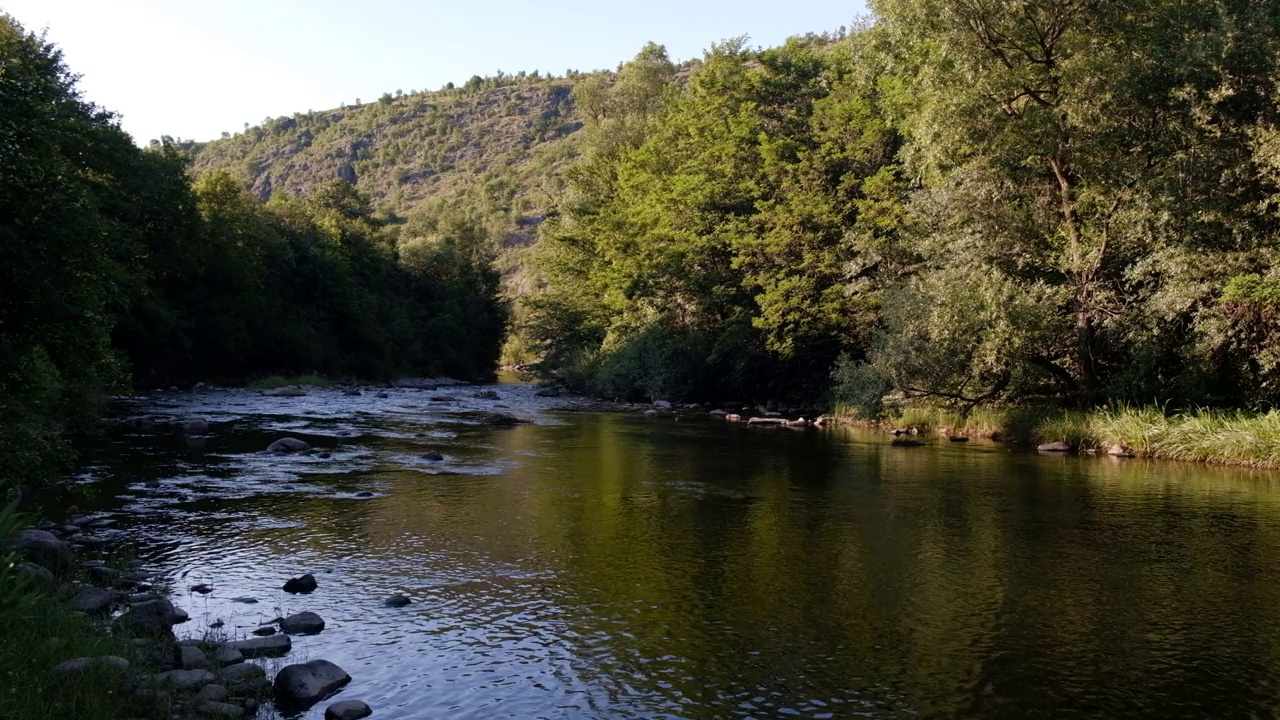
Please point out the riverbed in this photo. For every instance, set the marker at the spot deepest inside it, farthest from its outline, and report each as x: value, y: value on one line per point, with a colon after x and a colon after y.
x: 600, y: 565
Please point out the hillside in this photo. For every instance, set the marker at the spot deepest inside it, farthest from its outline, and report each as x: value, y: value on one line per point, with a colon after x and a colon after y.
x: 493, y: 146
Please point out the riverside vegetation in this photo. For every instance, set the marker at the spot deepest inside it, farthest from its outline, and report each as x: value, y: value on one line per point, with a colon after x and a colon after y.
x: 1018, y: 217
x: 1035, y: 210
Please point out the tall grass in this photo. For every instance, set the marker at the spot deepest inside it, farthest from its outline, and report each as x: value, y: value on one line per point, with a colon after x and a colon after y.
x: 1231, y: 437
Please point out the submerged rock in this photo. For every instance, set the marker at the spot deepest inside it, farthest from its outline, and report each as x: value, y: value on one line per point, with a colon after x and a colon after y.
x: 347, y: 710
x: 906, y: 442
x: 500, y: 420
x: 289, y: 391
x: 433, y: 456
x: 1054, y: 447
x: 396, y: 601
x: 486, y: 395
x: 303, y: 623
x: 195, y: 426
x: 288, y: 445
x: 304, y: 584
x: 303, y: 685
x: 264, y: 631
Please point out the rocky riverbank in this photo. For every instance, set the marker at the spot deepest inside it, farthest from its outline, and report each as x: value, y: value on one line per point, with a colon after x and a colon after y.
x: 160, y: 665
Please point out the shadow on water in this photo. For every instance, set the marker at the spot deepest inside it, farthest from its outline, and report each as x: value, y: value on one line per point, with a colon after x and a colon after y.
x: 618, y: 566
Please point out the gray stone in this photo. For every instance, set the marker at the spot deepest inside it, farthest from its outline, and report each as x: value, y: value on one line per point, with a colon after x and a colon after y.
x: 290, y: 391
x: 288, y: 445
x: 433, y: 456
x: 84, y: 663
x: 185, y: 679
x: 347, y: 710
x: 195, y: 426
x: 39, y: 573
x: 245, y: 600
x: 225, y: 656
x: 245, y: 677
x: 1054, y: 447
x: 103, y: 576
x: 303, y: 623
x: 202, y: 588
x: 211, y: 693
x: 42, y: 548
x: 101, y: 523
x: 304, y: 584
x: 264, y: 630
x: 92, y: 600
x: 220, y: 710
x: 303, y: 685
x: 189, y: 658
x: 396, y: 601
x: 662, y: 404
x: 273, y: 646
x: 153, y: 617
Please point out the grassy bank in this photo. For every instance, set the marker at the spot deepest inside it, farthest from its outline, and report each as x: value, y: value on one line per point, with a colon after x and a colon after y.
x: 1215, y: 436
x: 39, y: 631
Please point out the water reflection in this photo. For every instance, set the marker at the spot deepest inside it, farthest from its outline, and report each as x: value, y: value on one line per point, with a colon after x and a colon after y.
x: 617, y: 566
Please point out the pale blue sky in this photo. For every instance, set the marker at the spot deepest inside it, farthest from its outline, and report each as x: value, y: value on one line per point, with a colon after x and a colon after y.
x: 195, y: 69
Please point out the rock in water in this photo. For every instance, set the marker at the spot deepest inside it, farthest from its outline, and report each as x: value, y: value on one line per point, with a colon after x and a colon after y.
x: 195, y: 426
x: 303, y: 685
x: 499, y: 420
x: 433, y: 456
x: 303, y: 623
x: 1120, y: 451
x: 264, y: 631
x: 348, y: 710
x: 1054, y: 447
x: 396, y: 601
x: 43, y: 548
x: 288, y: 445
x: 304, y: 584
x: 273, y: 646
x: 154, y: 617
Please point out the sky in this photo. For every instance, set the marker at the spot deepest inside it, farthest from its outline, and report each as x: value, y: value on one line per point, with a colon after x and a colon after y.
x: 195, y: 69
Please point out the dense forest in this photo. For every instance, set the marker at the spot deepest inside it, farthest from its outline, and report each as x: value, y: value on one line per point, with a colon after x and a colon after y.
x: 963, y: 202
x: 121, y: 271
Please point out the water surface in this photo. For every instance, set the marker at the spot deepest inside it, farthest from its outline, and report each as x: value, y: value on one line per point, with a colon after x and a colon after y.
x: 616, y: 566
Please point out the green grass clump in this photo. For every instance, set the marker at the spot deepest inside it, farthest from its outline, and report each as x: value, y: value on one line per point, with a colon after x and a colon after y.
x: 272, y: 382
x: 1231, y: 437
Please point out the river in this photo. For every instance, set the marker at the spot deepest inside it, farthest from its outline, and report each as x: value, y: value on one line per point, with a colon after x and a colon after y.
x: 618, y: 566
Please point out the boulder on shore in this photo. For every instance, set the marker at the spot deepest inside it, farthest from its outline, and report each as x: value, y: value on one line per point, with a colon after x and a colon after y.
x: 84, y: 663
x: 42, y: 548
x: 92, y: 600
x: 304, y: 584
x: 303, y: 623
x: 288, y: 445
x: 302, y: 685
x: 347, y: 710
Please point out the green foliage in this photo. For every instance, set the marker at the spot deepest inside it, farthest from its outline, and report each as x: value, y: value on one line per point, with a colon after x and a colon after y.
x: 116, y: 264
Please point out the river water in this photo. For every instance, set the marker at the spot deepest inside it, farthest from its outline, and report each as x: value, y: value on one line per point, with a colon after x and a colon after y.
x: 617, y: 566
